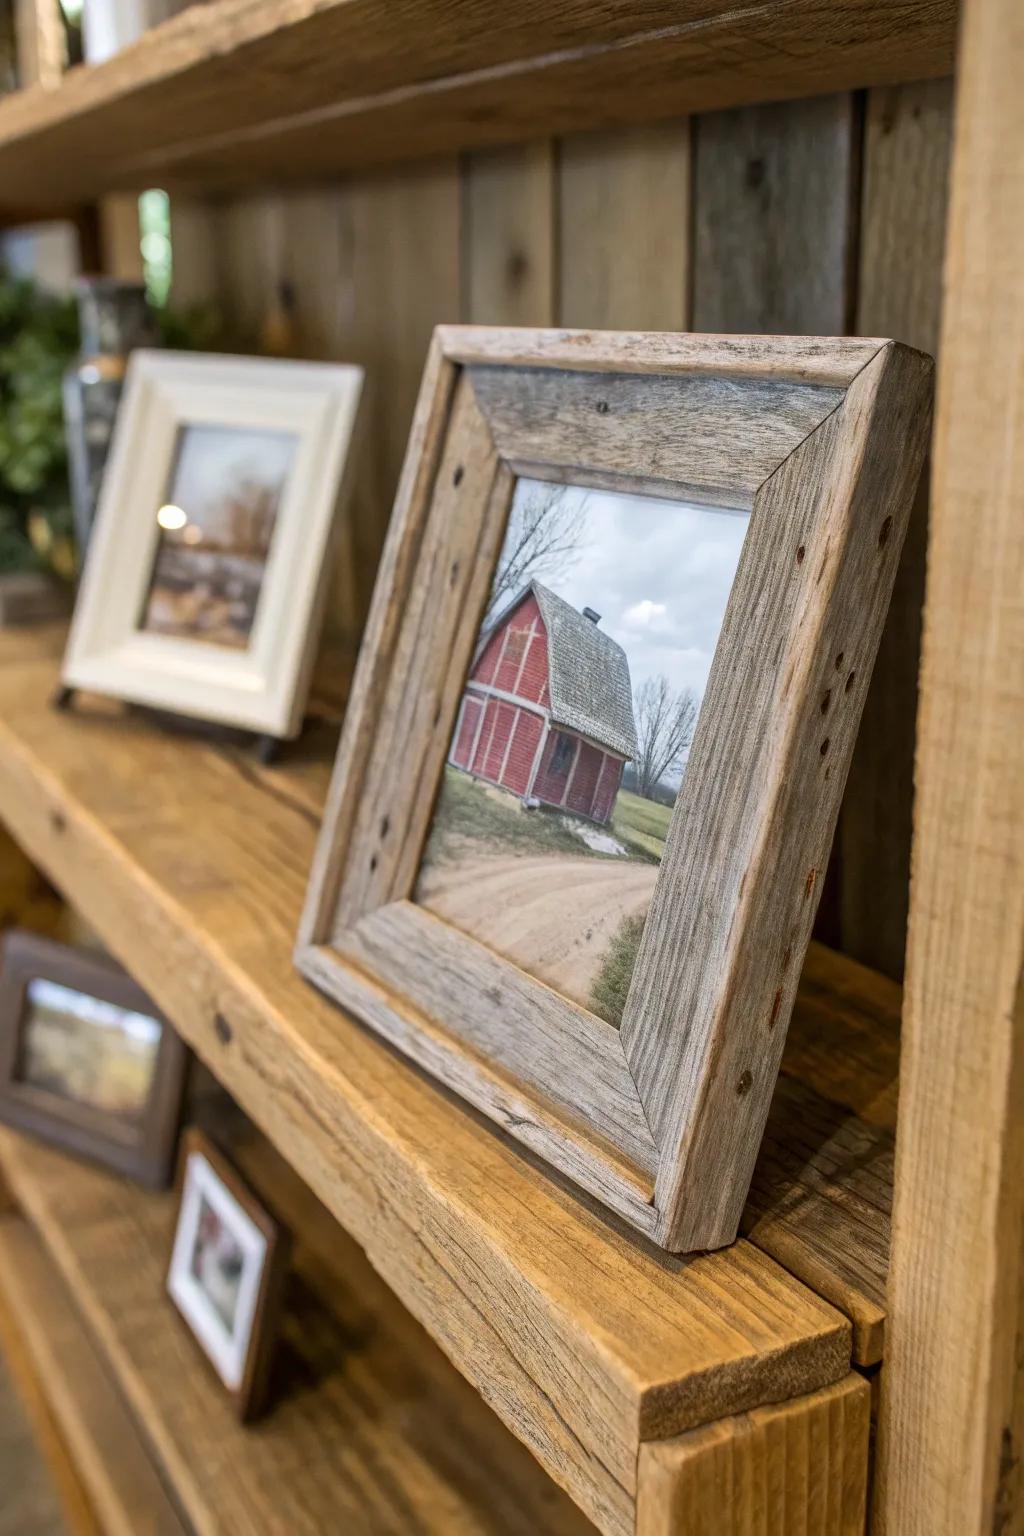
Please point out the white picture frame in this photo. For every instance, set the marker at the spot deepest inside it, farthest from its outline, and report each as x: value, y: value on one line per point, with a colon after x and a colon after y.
x: 226, y: 1273
x: 226, y: 1348
x: 262, y: 685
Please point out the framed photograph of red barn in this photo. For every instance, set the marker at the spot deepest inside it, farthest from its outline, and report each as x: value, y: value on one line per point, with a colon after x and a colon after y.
x: 599, y: 732
x: 547, y: 712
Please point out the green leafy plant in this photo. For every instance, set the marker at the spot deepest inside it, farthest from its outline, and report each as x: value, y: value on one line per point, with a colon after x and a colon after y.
x: 38, y: 340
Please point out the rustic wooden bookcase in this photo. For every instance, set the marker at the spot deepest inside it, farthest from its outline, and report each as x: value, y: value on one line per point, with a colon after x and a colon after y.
x: 356, y: 172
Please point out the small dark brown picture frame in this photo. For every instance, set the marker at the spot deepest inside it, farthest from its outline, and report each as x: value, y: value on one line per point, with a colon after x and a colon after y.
x: 141, y: 1146
x: 205, y: 1174
x: 821, y: 441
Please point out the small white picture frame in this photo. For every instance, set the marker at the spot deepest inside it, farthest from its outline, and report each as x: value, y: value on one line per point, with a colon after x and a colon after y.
x: 209, y: 561
x: 225, y: 1272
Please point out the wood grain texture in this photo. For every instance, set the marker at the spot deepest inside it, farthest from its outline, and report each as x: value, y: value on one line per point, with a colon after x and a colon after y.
x: 519, y: 1035
x: 953, y: 1394
x: 362, y: 1437
x: 405, y: 278
x: 774, y: 216
x: 30, y: 1503
x: 798, y: 1467
x: 636, y: 180
x: 821, y: 1196
x: 903, y: 223
x: 250, y: 261
x: 371, y: 83
x: 456, y: 550
x: 704, y: 438
x: 194, y: 238
x: 59, y: 1502
x: 109, y: 1456
x: 773, y: 200
x: 582, y: 1339
x: 833, y: 361
x: 705, y: 1020
x: 472, y: 1019
x: 508, y: 236
x: 39, y: 43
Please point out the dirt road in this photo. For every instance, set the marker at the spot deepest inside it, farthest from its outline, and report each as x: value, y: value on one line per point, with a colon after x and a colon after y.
x: 553, y: 915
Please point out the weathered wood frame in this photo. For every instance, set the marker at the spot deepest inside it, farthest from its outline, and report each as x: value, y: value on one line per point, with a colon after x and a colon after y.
x: 823, y: 441
x: 143, y: 1149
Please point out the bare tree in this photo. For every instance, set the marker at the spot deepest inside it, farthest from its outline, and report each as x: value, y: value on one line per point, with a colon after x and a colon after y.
x: 664, y: 729
x: 545, y: 530
x: 251, y: 510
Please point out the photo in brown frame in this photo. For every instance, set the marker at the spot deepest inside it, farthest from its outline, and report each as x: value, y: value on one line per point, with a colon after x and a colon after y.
x: 86, y: 1060
x: 820, y: 441
x: 227, y: 1272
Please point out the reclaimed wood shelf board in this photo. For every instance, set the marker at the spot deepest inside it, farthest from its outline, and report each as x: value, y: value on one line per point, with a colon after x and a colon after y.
x: 370, y: 1430
x: 40, y: 1323
x: 248, y: 91
x: 190, y: 861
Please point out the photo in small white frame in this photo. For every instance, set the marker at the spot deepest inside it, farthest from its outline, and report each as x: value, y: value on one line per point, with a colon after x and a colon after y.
x: 209, y: 562
x: 226, y: 1272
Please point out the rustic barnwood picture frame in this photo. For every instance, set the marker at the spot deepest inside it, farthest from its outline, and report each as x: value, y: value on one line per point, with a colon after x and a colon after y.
x: 822, y: 441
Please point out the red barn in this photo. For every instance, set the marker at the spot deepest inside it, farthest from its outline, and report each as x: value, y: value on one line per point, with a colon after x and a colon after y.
x: 548, y: 707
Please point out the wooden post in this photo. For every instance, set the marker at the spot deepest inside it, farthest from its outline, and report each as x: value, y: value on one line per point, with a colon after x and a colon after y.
x: 953, y: 1393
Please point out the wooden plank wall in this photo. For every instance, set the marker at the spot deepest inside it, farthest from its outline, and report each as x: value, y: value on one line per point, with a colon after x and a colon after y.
x: 816, y: 216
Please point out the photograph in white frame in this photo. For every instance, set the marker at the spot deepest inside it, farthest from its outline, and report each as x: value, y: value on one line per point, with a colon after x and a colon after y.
x: 216, y: 1269
x: 211, y: 608
x: 217, y: 526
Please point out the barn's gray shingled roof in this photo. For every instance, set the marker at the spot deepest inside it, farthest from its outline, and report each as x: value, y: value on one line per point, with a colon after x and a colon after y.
x: 588, y: 674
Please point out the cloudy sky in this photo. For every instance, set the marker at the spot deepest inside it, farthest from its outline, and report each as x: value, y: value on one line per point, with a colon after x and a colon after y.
x: 659, y: 574
x: 212, y: 462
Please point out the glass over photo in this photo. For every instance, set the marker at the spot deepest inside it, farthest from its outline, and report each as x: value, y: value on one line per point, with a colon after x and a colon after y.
x: 87, y: 1050
x: 215, y: 533
x: 574, y: 730
x: 217, y: 1264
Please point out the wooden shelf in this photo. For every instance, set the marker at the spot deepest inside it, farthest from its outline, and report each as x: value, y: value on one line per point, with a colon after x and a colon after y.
x: 371, y: 1431
x: 243, y: 91
x: 98, y: 1436
x: 191, y: 861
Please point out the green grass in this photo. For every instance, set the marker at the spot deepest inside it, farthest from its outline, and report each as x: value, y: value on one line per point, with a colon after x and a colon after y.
x: 609, y: 992
x: 469, y: 811
x: 643, y: 824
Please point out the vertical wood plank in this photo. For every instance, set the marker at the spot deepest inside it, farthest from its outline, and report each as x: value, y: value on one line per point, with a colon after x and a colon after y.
x: 250, y: 262
x: 624, y: 229
x: 903, y: 229
x: 39, y: 42
x: 120, y: 240
x: 799, y: 1466
x: 405, y: 254
x: 508, y: 236
x: 317, y: 265
x: 773, y: 218
x: 952, y: 1392
x: 194, y: 265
